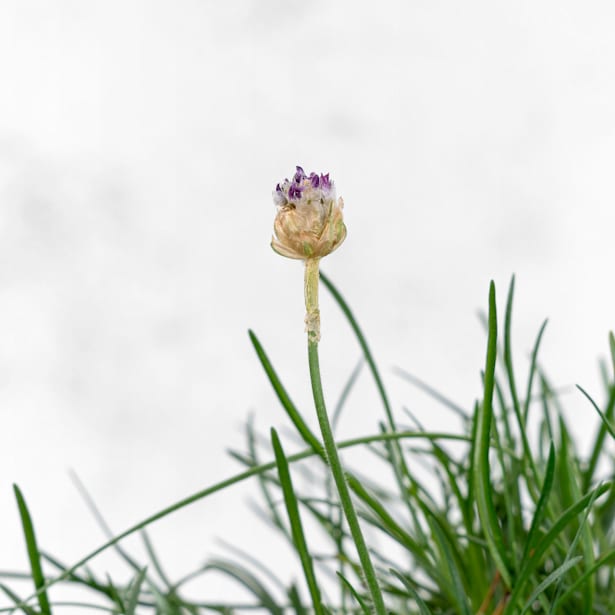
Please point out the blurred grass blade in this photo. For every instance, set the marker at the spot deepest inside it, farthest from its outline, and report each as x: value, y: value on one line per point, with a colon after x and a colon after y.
x: 423, y: 608
x: 17, y: 600
x: 363, y: 343
x: 151, y: 553
x: 541, y: 506
x: 295, y: 522
x: 557, y: 574
x: 612, y: 350
x: 295, y: 600
x: 134, y: 591
x: 605, y: 559
x: 451, y: 560
x: 605, y: 427
x: 398, y: 461
x: 508, y: 361
x: 355, y: 594
x: 532, y: 563
x: 294, y: 415
x: 482, y: 485
x: 433, y: 393
x: 530, y: 378
x: 33, y: 553
x: 249, y: 581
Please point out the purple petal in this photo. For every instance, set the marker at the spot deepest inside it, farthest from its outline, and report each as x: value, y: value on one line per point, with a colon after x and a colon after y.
x: 299, y: 175
x: 294, y: 192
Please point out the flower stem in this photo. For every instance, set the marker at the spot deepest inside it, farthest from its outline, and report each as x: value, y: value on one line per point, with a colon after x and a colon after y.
x: 312, y: 317
x: 311, y: 296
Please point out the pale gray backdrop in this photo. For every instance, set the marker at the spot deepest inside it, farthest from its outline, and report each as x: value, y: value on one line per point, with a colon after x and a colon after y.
x: 139, y: 144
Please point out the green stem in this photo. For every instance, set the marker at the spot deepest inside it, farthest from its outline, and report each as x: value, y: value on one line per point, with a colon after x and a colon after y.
x: 311, y: 297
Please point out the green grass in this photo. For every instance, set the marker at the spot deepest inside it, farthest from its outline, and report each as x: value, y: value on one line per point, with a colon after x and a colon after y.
x: 504, y: 517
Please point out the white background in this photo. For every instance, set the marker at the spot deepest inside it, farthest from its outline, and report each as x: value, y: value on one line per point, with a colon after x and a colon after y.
x: 139, y: 145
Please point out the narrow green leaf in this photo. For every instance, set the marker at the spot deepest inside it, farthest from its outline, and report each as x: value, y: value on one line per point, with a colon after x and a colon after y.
x: 355, y: 594
x: 605, y: 559
x: 364, y: 346
x: 294, y: 414
x: 420, y: 603
x: 134, y: 591
x: 149, y: 547
x: 451, y: 560
x: 508, y: 361
x: 33, y: 553
x: 17, y: 600
x: 295, y: 600
x: 292, y: 508
x: 482, y: 484
x: 530, y: 378
x: 552, y: 578
x: 398, y: 461
x: 249, y: 581
x: 390, y: 526
x: 612, y: 349
x: 541, y: 507
x: 462, y: 413
x: 531, y: 564
x: 605, y: 426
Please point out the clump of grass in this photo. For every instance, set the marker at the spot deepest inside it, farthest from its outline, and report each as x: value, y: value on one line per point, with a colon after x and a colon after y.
x: 505, y: 517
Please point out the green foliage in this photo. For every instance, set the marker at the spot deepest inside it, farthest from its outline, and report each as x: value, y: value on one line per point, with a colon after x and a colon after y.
x: 504, y: 516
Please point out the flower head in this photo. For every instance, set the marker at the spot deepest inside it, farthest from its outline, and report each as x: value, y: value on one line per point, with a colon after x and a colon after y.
x: 309, y: 222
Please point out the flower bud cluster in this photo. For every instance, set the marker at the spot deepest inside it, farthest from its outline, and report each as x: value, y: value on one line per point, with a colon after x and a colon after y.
x: 309, y: 223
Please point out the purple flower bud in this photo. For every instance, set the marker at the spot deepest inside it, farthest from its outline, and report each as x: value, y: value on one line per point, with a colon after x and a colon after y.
x: 299, y: 175
x: 325, y: 182
x: 294, y: 192
x: 315, y: 180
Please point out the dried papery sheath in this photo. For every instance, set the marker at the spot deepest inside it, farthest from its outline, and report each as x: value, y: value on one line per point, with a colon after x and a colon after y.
x: 309, y: 222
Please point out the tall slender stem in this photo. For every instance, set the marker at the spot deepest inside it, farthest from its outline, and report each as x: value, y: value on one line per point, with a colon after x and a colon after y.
x: 311, y: 296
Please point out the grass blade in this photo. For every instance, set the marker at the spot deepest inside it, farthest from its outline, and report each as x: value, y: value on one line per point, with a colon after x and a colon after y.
x: 33, y: 553
x: 354, y: 594
x: 17, y: 600
x: 420, y: 603
x: 482, y: 485
x: 134, y: 590
x: 541, y: 507
x: 250, y: 582
x: 296, y: 526
x: 568, y: 516
x: 556, y: 575
x: 306, y: 433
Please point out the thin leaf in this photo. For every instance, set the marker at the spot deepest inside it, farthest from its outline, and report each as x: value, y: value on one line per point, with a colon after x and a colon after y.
x: 543, y: 501
x: 296, y: 526
x: 294, y: 414
x: 482, y: 483
x: 355, y: 594
x: 249, y: 581
x: 420, y: 603
x: 557, y: 574
x: 17, y: 600
x: 33, y: 553
x: 531, y: 564
x: 134, y: 590
x: 530, y: 378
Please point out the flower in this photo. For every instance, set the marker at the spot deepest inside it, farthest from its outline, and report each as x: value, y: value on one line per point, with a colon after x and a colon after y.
x: 309, y: 223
